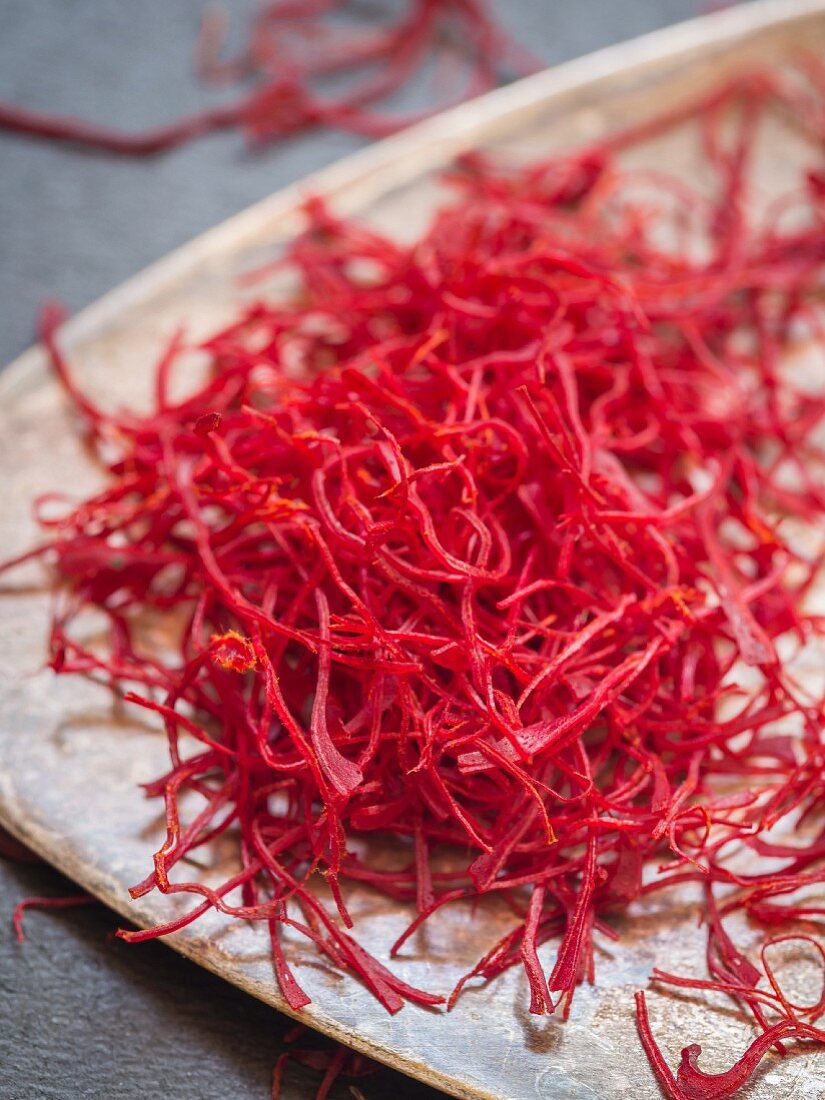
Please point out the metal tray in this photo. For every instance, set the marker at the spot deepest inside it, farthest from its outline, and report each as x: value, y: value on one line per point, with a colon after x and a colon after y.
x: 70, y: 766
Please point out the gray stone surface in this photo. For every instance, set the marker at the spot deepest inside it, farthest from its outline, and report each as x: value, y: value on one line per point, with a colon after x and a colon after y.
x: 82, y: 1015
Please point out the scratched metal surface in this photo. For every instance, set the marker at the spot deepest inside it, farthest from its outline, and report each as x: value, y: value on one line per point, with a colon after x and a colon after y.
x: 70, y: 767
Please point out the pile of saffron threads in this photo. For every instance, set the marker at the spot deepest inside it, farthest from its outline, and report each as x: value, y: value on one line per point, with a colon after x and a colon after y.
x: 292, y: 48
x: 483, y: 545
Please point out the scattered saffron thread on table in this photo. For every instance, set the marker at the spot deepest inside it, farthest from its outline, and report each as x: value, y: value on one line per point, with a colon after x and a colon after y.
x: 12, y: 849
x: 505, y: 571
x: 291, y: 48
x: 333, y: 1062
x: 69, y: 901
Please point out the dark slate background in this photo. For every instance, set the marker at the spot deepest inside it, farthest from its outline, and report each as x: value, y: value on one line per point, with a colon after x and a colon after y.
x: 82, y: 1015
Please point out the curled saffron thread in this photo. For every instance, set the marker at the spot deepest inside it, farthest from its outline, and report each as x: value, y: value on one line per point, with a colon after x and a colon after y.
x: 70, y: 901
x: 692, y: 1083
